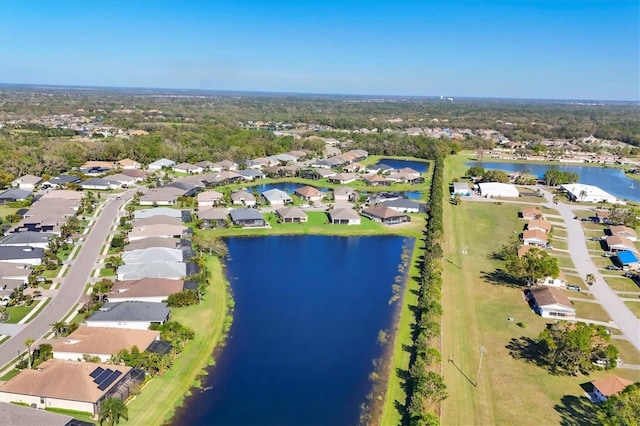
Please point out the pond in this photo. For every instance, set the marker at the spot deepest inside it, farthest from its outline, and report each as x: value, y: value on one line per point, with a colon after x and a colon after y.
x: 611, y: 180
x: 287, y: 187
x: 419, y: 166
x: 307, y: 314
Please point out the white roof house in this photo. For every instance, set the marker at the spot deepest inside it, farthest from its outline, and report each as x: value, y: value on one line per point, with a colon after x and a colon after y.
x: 276, y: 197
x: 163, y: 162
x: 589, y: 194
x: 157, y: 211
x: 497, y: 189
x: 152, y: 254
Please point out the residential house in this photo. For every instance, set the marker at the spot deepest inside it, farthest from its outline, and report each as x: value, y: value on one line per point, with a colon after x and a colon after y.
x: 608, y: 386
x: 209, y: 199
x: 628, y: 260
x: 164, y: 231
x: 251, y: 174
x: 345, y: 194
x: 101, y: 342
x: 163, y: 211
x: 403, y: 205
x: 498, y: 189
x: 76, y: 386
x: 129, y: 164
x: 409, y: 171
x: 602, y: 216
x: 375, y: 180
x: 343, y: 178
x: 624, y: 231
x: 549, y: 302
x: 227, y: 177
x: 137, y: 174
x: 11, y: 195
x: 405, y: 178
x: 292, y: 215
x: 156, y: 220
x: 27, y: 238
x: 560, y: 281
x: 124, y: 180
x: 153, y: 242
x: 260, y: 162
x: 309, y: 193
x: 187, y: 168
x: 276, y: 197
x: 344, y: 216
x: 617, y: 243
x: 539, y: 224
x: 14, y: 271
x: 161, y: 163
x: 13, y: 414
x: 135, y: 315
x: 152, y: 254
x: 530, y: 213
x: 61, y: 181
x: 588, y: 193
x: 461, y: 188
x: 386, y: 215
x: 247, y: 218
x: 534, y: 237
x: 243, y: 197
x: 100, y: 184
x: 227, y: 165
x: 213, y: 218
x: 26, y: 182
x: 354, y: 168
x: 206, y: 165
x: 188, y: 189
x: 168, y: 270
x: 326, y: 174
x: 163, y: 196
x: 286, y: 158
x: 23, y: 255
x: 148, y: 289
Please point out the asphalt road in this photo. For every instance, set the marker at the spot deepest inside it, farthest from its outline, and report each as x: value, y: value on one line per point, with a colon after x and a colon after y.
x: 626, y: 320
x: 72, y: 285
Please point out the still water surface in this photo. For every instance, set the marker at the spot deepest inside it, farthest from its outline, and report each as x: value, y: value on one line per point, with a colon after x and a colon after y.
x: 307, y: 314
x: 419, y: 166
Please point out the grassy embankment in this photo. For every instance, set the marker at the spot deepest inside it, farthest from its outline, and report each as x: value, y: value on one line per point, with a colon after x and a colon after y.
x: 477, y: 307
x: 159, y: 398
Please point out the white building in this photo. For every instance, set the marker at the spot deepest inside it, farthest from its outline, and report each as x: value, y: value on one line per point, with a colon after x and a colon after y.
x: 497, y: 189
x: 589, y: 194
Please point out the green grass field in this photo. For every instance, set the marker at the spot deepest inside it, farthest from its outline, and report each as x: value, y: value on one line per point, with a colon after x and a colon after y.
x: 592, y: 311
x: 476, y: 310
x: 17, y: 313
x: 634, y: 306
x: 157, y: 402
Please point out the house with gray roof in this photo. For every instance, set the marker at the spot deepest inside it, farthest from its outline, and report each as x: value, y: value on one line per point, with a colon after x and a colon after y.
x: 164, y: 211
x: 251, y: 174
x: 276, y: 197
x: 213, y: 217
x: 153, y: 242
x: 61, y: 181
x: 247, y: 218
x: 344, y: 216
x: 27, y: 182
x: 152, y: 254
x: 16, y: 415
x: 403, y: 205
x: 13, y: 194
x: 385, y: 215
x: 136, y: 315
x: 24, y: 255
x: 27, y: 238
x: 100, y: 184
x: 243, y: 197
x: 292, y: 215
x: 159, y: 164
x: 169, y: 270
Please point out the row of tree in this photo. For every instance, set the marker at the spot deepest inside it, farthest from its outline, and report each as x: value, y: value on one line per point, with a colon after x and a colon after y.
x: 426, y: 388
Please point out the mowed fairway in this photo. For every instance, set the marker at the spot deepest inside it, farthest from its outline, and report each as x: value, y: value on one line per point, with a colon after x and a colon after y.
x: 476, y: 313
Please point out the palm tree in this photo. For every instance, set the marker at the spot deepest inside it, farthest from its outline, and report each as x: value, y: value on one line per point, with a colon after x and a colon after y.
x: 28, y: 344
x: 58, y: 328
x: 590, y: 279
x: 582, y: 194
x: 111, y: 409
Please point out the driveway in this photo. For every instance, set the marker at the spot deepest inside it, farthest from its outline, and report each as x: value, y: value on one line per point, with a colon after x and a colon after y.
x: 72, y: 285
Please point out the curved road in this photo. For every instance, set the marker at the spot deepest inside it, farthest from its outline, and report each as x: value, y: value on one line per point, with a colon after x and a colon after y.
x: 72, y: 285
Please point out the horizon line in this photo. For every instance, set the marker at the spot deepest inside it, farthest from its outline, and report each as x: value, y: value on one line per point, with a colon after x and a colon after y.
x: 325, y: 94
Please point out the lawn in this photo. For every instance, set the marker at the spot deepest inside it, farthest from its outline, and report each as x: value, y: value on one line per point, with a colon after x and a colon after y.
x: 628, y: 354
x: 592, y: 311
x: 16, y: 313
x: 564, y: 261
x: 621, y: 283
x: 156, y: 403
x: 476, y: 311
x: 634, y: 306
x: 317, y: 225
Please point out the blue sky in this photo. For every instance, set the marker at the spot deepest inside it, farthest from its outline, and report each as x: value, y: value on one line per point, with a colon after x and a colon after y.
x: 522, y: 49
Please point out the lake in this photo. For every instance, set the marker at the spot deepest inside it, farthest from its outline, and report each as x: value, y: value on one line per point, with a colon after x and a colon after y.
x: 419, y: 166
x: 307, y: 313
x: 287, y: 187
x: 612, y: 180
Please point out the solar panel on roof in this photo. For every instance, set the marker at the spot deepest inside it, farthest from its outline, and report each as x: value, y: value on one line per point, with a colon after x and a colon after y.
x: 95, y: 373
x: 107, y: 382
x: 103, y: 376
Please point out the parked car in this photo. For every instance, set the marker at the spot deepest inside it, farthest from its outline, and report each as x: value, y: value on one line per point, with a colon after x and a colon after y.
x: 574, y: 288
x: 613, y: 268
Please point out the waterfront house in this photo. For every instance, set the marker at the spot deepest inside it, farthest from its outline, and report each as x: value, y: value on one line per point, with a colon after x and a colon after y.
x: 155, y: 290
x: 385, y: 215
x: 403, y: 205
x: 247, y: 218
x: 343, y: 178
x: 276, y: 197
x: 168, y: 270
x: 344, y: 216
x: 375, y: 180
x: 291, y: 215
x: 152, y: 254
x: 309, y: 193
x: 134, y: 315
